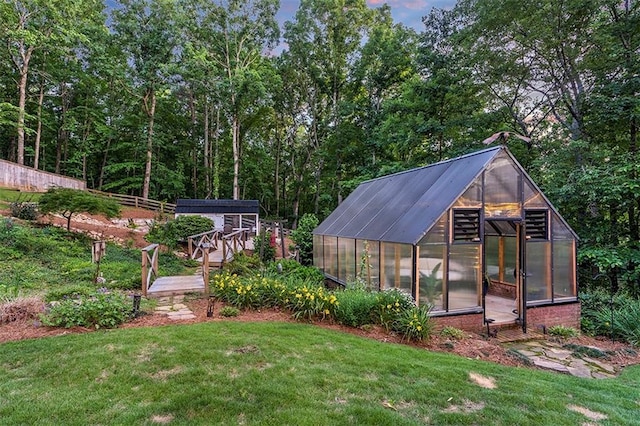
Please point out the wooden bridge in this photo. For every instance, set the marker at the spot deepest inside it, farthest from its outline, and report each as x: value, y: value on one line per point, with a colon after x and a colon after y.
x: 212, y: 249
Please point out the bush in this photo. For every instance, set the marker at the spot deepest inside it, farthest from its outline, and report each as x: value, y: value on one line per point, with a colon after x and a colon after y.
x: 20, y: 308
x: 355, y: 307
x: 263, y: 248
x: 98, y: 310
x: 562, y: 331
x: 303, y: 237
x: 24, y: 210
x: 173, y: 232
x: 293, y: 272
x: 390, y: 304
x: 452, y: 333
x: 243, y: 264
x: 308, y: 303
x: 415, y: 323
x: 68, y: 292
x: 229, y: 311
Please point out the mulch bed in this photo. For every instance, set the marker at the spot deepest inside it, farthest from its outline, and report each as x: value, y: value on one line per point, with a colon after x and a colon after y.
x: 473, y: 346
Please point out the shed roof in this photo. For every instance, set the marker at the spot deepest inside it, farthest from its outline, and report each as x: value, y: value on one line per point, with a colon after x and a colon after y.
x: 404, y: 206
x: 217, y: 206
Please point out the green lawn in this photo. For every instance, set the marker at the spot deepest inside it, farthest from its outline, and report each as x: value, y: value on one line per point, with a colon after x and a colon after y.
x: 284, y: 373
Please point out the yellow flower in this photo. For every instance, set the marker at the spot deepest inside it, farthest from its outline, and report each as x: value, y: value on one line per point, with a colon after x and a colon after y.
x: 326, y: 311
x: 397, y: 304
x: 388, y: 306
x: 419, y: 328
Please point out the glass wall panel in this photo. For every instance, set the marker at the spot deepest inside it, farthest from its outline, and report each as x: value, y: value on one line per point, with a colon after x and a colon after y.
x: 317, y: 252
x: 564, y: 269
x: 492, y: 256
x: 559, y: 229
x: 472, y: 197
x: 510, y: 259
x: 367, y: 263
x: 501, y: 189
x: 538, y: 270
x: 464, y: 276
x: 532, y: 198
x: 397, y: 266
x: 346, y: 260
x: 431, y: 267
x: 438, y: 233
x: 331, y: 256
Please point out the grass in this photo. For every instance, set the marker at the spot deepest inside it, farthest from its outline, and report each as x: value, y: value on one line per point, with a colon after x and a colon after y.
x: 47, y: 258
x: 283, y: 373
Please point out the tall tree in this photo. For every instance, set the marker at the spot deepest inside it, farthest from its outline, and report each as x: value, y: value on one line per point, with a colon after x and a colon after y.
x: 147, y: 31
x: 27, y: 26
x: 231, y: 36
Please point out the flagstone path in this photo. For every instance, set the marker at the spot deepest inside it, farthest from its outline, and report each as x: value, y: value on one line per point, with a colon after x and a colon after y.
x: 174, y: 308
x: 579, y: 361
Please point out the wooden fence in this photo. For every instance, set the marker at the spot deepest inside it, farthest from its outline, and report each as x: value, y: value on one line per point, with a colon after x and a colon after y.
x: 134, y: 201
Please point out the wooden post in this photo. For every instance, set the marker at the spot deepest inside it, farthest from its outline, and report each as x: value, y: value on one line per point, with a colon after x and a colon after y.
x: 284, y: 256
x: 205, y: 271
x: 144, y: 273
x: 190, y: 247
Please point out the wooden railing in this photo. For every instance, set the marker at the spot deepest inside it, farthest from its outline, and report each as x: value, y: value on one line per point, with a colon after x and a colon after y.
x: 203, y: 243
x: 149, y: 266
x: 234, y: 242
x: 134, y: 201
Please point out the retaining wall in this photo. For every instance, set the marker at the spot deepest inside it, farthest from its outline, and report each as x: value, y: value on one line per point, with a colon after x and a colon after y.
x: 24, y: 178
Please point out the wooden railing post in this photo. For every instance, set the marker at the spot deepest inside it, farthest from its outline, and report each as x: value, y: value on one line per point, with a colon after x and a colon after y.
x: 205, y: 272
x: 145, y: 285
x: 149, y: 266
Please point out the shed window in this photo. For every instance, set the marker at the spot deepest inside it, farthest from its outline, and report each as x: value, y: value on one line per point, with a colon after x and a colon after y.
x: 466, y: 225
x: 537, y: 223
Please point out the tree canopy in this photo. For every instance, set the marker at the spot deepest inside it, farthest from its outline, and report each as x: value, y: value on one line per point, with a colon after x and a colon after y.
x: 68, y: 202
x: 216, y: 99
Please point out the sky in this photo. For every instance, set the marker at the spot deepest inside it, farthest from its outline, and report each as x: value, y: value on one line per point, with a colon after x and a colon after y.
x: 408, y: 12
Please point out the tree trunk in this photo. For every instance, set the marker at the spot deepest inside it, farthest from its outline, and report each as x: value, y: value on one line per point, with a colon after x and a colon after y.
x: 22, y: 103
x: 36, y: 148
x: 151, y: 112
x: 207, y: 154
x: 235, y: 129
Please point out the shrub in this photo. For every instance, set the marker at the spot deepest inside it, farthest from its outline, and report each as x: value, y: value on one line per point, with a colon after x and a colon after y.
x: 243, y: 264
x: 452, y: 333
x: 303, y: 237
x: 24, y: 210
x: 173, y: 232
x: 97, y: 310
x: 263, y: 248
x: 20, y: 308
x: 390, y: 304
x: 623, y: 324
x: 229, y: 311
x: 68, y: 292
x: 415, y: 323
x: 355, y: 307
x: 293, y: 272
x: 562, y: 331
x: 597, y: 315
x: 307, y: 303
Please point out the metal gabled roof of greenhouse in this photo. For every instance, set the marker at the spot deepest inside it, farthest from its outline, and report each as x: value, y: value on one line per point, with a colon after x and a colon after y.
x: 403, y: 207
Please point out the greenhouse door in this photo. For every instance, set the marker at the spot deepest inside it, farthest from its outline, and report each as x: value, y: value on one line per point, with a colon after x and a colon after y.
x: 504, y: 287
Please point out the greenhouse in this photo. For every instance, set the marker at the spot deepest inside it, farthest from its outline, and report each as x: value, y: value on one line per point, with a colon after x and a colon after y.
x: 469, y: 236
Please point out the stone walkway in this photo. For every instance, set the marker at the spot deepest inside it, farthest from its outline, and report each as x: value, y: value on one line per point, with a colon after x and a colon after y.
x: 173, y: 307
x: 578, y: 361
